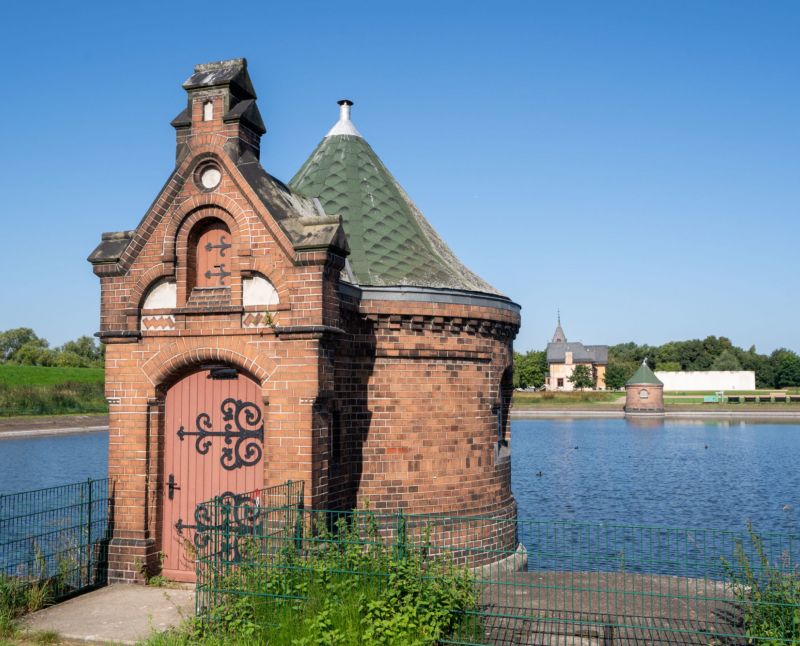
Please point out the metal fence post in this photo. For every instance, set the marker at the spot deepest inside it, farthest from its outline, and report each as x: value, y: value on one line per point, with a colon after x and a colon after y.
x: 401, y: 535
x: 89, y: 535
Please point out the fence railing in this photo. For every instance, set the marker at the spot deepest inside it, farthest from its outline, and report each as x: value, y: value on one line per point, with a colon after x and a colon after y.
x: 573, y: 583
x: 56, y: 536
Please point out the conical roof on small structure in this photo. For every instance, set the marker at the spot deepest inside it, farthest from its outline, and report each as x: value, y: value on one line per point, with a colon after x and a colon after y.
x: 644, y: 376
x: 391, y: 242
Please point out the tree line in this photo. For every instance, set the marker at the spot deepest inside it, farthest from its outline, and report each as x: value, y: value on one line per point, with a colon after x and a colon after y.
x: 23, y: 346
x: 780, y: 369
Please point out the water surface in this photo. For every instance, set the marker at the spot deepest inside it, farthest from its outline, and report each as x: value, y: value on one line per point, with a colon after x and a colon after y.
x: 716, y: 474
x: 50, y: 460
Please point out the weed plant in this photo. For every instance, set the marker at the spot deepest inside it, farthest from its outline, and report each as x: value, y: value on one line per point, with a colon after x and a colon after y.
x: 18, y: 597
x: 346, y: 585
x: 52, y: 399
x: 769, y: 594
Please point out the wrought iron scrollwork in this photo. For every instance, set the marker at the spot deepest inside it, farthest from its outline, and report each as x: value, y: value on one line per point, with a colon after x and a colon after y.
x: 243, y: 424
x: 222, y: 246
x: 221, y: 273
x: 229, y: 518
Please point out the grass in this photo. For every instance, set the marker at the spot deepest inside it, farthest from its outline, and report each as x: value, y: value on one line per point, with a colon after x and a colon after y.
x: 15, y: 375
x: 16, y: 599
x: 52, y: 399
x: 566, y: 398
x: 37, y: 390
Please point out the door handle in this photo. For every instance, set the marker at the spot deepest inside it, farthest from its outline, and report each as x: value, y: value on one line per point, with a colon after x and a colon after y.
x: 171, y: 486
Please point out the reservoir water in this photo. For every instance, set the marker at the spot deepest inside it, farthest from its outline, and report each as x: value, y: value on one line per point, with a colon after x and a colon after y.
x: 716, y: 474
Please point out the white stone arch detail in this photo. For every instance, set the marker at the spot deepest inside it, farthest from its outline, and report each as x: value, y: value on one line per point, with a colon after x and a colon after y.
x: 163, y: 295
x: 258, y: 290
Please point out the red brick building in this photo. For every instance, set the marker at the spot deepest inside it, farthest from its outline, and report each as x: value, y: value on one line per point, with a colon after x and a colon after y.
x: 257, y: 332
x: 644, y: 393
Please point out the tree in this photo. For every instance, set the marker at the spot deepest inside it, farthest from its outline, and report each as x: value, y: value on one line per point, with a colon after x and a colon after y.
x: 616, y: 375
x: 12, y: 340
x: 581, y: 377
x: 33, y: 354
x: 85, y: 347
x: 529, y: 369
x: 788, y: 372
x: 670, y: 366
x: 726, y: 361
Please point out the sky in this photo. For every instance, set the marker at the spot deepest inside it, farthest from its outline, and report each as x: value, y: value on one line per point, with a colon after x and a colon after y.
x: 634, y: 164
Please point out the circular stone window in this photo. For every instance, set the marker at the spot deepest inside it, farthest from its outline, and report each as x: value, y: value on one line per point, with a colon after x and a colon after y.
x: 208, y: 176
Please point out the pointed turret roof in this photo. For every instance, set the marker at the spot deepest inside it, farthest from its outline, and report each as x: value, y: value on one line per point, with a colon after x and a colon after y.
x: 558, y: 335
x: 391, y: 242
x: 644, y: 376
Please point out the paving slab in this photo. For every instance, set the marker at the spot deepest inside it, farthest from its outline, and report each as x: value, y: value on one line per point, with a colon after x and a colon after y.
x: 117, y: 614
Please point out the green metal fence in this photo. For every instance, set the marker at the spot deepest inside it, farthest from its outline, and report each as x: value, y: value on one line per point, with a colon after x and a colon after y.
x: 56, y: 536
x: 573, y: 583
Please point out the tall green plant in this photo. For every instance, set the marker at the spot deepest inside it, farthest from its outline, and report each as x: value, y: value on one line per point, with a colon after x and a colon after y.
x: 346, y: 585
x: 769, y: 595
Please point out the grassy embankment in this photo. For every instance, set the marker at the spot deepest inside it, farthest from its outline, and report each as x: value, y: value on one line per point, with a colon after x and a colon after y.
x: 36, y: 390
x: 673, y: 401
x: 582, y: 399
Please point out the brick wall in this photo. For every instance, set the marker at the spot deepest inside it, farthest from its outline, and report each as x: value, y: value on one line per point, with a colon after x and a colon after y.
x: 653, y: 402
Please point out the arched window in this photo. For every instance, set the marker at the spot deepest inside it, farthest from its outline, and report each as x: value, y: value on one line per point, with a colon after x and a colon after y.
x: 208, y: 111
x: 210, y: 255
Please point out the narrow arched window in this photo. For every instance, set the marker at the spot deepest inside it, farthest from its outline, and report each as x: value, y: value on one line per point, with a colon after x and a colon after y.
x: 208, y: 111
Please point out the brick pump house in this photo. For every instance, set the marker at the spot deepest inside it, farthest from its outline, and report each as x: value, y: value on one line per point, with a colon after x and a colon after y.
x: 319, y: 332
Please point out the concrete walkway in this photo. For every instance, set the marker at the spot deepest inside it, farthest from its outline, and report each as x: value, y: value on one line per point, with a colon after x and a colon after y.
x: 117, y: 614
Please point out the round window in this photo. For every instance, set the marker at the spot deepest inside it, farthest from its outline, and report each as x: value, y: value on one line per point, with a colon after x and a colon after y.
x: 208, y: 176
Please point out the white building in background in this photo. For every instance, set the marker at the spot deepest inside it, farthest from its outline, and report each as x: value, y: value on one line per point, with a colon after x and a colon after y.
x: 708, y: 380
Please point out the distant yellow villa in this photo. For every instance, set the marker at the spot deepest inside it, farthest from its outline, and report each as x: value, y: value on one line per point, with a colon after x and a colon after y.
x: 564, y: 356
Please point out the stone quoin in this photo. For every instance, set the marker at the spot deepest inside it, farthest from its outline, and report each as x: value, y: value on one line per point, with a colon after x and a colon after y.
x: 323, y: 324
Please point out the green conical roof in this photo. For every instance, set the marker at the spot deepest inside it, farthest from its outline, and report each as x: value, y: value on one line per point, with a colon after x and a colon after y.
x: 391, y: 242
x: 644, y: 375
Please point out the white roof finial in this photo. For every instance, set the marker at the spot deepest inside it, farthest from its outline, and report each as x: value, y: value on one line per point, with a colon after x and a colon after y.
x: 344, y: 126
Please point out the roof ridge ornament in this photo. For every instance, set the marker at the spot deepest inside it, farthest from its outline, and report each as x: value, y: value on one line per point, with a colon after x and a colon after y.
x: 344, y: 126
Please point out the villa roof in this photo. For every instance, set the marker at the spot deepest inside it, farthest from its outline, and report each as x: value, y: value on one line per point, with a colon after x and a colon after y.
x: 556, y: 352
x: 391, y: 243
x: 644, y: 376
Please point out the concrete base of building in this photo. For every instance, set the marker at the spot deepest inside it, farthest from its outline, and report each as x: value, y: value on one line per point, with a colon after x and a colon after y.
x: 642, y: 412
x: 516, y: 562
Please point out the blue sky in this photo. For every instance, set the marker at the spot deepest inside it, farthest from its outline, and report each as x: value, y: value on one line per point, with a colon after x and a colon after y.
x: 635, y: 164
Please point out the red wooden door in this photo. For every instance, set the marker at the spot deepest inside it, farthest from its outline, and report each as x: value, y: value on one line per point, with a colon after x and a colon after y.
x: 213, y: 257
x: 214, y: 444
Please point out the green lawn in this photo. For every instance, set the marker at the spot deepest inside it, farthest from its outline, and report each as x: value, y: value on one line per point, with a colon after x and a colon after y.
x: 566, y: 398
x: 15, y: 375
x: 35, y: 390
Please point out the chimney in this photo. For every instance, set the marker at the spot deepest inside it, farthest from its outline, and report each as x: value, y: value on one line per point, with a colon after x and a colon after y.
x: 220, y: 94
x: 344, y: 126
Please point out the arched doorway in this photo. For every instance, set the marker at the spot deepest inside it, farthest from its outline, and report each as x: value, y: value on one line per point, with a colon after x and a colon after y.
x: 213, y: 444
